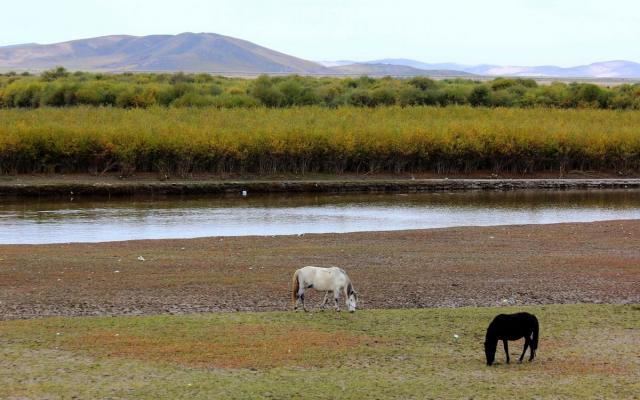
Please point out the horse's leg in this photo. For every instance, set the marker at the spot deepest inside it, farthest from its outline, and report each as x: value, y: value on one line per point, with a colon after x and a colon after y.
x: 532, y: 351
x: 526, y: 344
x: 336, y: 297
x: 326, y: 299
x: 304, y: 306
x: 301, y: 297
x: 506, y: 349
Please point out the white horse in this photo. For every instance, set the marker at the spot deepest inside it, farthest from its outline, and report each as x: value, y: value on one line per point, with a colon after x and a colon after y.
x: 329, y: 280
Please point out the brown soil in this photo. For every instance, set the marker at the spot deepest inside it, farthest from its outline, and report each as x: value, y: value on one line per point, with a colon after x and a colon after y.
x: 196, y: 177
x: 478, y: 266
x: 77, y: 186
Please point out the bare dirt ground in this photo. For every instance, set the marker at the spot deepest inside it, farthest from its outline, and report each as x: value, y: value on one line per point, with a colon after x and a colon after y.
x: 146, y: 177
x: 83, y: 185
x: 479, y: 266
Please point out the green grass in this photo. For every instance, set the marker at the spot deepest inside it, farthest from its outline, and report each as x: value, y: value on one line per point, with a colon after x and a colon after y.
x: 312, y: 139
x: 586, y: 351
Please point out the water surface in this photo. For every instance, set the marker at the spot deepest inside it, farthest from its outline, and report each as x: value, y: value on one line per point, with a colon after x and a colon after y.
x: 30, y: 221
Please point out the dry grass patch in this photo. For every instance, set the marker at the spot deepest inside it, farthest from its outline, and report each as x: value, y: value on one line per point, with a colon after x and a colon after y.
x: 576, y: 366
x: 237, y: 346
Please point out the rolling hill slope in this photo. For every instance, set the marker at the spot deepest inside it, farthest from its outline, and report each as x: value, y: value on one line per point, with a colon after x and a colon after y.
x: 189, y: 52
x: 214, y: 53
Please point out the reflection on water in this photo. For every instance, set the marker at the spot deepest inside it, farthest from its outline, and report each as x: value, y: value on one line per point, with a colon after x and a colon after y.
x: 32, y: 221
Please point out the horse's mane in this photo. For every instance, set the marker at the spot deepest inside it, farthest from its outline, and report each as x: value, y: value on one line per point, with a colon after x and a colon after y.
x: 350, y: 288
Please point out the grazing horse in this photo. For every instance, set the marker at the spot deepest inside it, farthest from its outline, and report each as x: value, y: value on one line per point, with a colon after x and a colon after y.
x: 330, y: 280
x: 507, y: 327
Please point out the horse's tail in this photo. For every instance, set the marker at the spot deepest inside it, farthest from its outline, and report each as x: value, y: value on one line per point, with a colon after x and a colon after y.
x: 534, y: 337
x: 295, y: 286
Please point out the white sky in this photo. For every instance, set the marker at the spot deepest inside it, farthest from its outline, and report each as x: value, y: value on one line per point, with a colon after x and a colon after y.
x: 506, y: 32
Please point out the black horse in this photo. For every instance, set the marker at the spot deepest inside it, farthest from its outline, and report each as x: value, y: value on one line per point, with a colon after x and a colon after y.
x: 507, y: 327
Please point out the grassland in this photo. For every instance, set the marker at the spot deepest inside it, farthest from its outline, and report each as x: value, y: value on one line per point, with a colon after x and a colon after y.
x: 586, y: 351
x: 180, y: 142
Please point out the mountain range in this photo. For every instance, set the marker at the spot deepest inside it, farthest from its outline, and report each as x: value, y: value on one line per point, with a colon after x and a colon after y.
x: 214, y: 53
x: 606, y: 69
x: 189, y: 52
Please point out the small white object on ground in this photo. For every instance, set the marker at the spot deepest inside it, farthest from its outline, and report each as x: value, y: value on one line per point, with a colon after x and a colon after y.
x: 140, y: 258
x: 244, y: 192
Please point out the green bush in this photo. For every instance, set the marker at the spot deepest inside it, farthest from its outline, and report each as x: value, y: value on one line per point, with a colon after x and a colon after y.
x: 59, y: 88
x: 479, y: 96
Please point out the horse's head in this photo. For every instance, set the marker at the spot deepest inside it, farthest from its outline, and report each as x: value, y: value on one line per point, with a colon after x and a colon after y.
x: 352, y: 301
x: 490, y: 351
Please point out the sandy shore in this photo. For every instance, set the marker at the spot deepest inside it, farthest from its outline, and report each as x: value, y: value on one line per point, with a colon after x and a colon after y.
x: 477, y: 266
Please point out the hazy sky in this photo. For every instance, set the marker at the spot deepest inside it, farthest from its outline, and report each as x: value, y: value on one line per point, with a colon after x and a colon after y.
x: 508, y: 32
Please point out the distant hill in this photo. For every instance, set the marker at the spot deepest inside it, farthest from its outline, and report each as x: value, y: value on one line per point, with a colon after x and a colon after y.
x: 210, y: 52
x: 391, y: 70
x: 606, y: 69
x: 189, y: 52
x: 337, y: 63
x: 419, y: 64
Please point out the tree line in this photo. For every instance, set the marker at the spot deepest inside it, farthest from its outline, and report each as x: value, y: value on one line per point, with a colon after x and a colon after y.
x: 182, y: 141
x: 61, y: 88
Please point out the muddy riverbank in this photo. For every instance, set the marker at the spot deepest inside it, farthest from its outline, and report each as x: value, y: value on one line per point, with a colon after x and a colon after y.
x: 85, y: 186
x: 475, y: 266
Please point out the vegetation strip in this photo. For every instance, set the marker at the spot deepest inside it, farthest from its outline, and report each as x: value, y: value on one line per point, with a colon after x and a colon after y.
x: 59, y: 88
x: 585, y: 351
x: 182, y: 142
x: 125, y: 188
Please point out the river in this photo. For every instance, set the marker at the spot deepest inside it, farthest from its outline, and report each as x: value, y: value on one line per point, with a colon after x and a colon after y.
x: 34, y: 222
